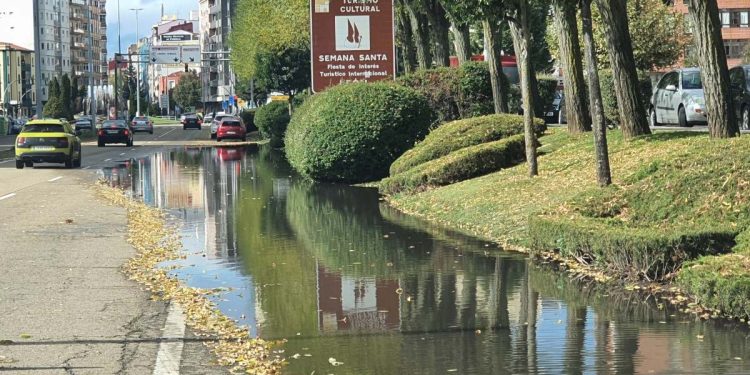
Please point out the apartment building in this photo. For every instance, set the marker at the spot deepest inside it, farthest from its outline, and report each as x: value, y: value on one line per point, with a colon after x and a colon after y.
x: 735, y: 20
x: 88, y: 20
x: 217, y: 75
x: 175, y: 32
x: 17, y: 79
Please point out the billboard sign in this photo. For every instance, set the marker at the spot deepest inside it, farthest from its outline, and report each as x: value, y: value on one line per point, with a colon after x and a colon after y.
x: 190, y: 54
x: 176, y: 37
x: 165, y: 55
x: 351, y: 41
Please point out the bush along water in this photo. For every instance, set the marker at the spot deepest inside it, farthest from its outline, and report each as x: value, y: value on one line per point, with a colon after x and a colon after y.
x: 272, y: 120
x: 353, y: 132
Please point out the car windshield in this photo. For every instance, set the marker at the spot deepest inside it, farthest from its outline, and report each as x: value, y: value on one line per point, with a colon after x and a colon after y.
x: 115, y: 124
x: 230, y: 123
x: 44, y: 128
x: 140, y: 119
x: 691, y: 81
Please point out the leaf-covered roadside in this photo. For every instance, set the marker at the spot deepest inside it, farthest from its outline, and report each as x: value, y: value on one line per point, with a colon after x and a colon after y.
x: 156, y: 242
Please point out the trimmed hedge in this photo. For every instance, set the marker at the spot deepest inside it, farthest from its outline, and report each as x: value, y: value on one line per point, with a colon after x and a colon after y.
x: 454, y: 93
x: 464, y: 164
x: 353, y: 132
x: 651, y: 253
x: 462, y: 133
x: 272, y: 120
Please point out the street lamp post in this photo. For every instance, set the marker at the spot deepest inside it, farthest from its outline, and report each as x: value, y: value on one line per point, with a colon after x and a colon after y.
x: 138, y: 65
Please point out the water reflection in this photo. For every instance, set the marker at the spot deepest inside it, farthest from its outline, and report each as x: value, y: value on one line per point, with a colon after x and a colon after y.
x: 343, y: 276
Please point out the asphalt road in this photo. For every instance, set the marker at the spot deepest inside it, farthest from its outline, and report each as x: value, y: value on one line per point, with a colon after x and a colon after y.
x: 65, y: 307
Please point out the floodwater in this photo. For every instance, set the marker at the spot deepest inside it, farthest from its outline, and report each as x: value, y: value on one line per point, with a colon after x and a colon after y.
x: 357, y: 288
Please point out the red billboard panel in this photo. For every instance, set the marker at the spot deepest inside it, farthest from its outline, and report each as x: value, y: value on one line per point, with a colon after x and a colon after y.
x: 352, y: 40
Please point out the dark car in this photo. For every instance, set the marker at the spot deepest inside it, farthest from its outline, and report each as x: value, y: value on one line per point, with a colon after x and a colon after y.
x: 231, y: 127
x: 84, y: 123
x: 115, y: 131
x: 142, y: 124
x: 552, y: 112
x: 191, y: 121
x: 739, y: 88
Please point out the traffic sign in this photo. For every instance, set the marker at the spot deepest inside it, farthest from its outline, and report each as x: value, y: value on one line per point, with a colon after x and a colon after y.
x: 165, y: 55
x: 190, y: 54
x: 351, y: 41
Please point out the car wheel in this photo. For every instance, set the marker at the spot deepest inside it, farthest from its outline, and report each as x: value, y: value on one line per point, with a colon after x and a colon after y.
x: 19, y: 164
x: 218, y: 139
x: 213, y: 136
x: 69, y: 163
x: 100, y: 144
x: 652, y: 118
x: 682, y: 117
x: 29, y: 164
x: 151, y: 132
x: 746, y: 118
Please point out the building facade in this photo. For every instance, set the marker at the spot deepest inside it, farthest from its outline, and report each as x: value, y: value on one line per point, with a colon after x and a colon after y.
x: 17, y: 93
x: 88, y: 32
x: 217, y: 76
x: 735, y: 20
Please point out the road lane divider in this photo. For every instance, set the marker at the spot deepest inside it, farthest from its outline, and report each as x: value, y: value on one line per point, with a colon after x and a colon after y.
x: 55, y: 179
x: 169, y: 356
x: 4, y: 197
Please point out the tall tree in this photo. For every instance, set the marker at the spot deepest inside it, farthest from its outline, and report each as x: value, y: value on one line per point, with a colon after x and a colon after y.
x: 286, y: 71
x: 722, y: 122
x: 603, y: 171
x: 421, y: 32
x: 460, y: 22
x: 519, y: 28
x: 632, y: 113
x: 405, y: 37
x: 576, y: 105
x: 439, y: 29
x: 65, y: 97
x: 489, y: 13
x: 187, y: 92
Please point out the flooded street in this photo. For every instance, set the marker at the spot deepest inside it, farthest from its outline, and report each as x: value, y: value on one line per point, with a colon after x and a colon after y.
x: 358, y: 288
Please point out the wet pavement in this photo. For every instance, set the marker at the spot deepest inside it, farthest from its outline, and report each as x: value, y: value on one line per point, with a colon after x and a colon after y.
x: 358, y: 288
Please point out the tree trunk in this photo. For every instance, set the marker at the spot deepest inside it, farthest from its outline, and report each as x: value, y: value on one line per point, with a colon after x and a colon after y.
x: 576, y: 105
x: 406, y: 37
x: 519, y: 29
x: 632, y: 113
x: 492, y: 46
x: 439, y: 29
x: 461, y: 42
x: 722, y: 121
x: 419, y: 28
x: 603, y: 172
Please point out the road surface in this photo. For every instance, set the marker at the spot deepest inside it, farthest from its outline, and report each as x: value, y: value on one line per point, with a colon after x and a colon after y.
x: 65, y: 307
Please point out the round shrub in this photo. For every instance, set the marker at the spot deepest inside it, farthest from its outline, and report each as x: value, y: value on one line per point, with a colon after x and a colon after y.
x: 272, y: 120
x: 353, y: 132
x: 248, y: 118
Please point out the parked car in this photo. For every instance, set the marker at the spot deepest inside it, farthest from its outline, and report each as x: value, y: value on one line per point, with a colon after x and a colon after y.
x: 562, y: 114
x: 142, y: 124
x: 231, y: 127
x: 678, y: 99
x: 739, y: 88
x: 48, y: 141
x: 215, y: 123
x: 84, y: 123
x: 15, y: 126
x: 115, y: 131
x: 191, y: 121
x: 552, y: 111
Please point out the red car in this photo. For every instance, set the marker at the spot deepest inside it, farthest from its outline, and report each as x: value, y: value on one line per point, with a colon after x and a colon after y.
x: 231, y: 127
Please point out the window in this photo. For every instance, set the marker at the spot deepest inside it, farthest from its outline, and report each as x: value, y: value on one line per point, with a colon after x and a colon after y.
x: 724, y: 19
x: 744, y: 19
x: 691, y: 80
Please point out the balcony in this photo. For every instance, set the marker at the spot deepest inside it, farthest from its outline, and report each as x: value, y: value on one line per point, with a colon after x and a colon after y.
x: 79, y: 31
x: 79, y: 45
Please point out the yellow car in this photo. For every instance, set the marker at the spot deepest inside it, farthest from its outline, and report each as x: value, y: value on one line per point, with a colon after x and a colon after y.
x: 48, y: 141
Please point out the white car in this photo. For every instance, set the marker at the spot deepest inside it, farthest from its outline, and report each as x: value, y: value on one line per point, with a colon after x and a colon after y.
x: 216, y: 120
x: 678, y: 99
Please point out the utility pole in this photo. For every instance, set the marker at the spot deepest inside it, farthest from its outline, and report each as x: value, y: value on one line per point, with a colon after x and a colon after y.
x: 117, y: 62
x: 138, y: 64
x: 38, y: 60
x: 92, y: 105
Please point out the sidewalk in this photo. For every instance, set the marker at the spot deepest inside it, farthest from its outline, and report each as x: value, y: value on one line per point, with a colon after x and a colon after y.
x: 65, y: 307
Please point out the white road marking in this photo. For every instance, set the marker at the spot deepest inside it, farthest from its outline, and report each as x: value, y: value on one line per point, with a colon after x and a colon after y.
x: 170, y: 352
x: 55, y: 179
x: 107, y: 159
x: 87, y: 167
x: 122, y: 153
x: 6, y: 161
x: 161, y: 136
x: 4, y: 197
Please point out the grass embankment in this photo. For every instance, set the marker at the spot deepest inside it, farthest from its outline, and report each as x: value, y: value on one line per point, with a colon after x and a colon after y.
x: 676, y: 198
x: 164, y: 121
x: 155, y: 242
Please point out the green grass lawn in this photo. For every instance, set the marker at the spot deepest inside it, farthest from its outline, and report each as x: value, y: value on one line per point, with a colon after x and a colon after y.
x: 164, y: 121
x: 676, y: 197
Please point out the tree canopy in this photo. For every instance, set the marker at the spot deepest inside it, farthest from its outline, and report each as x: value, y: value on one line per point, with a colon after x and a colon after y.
x: 187, y: 93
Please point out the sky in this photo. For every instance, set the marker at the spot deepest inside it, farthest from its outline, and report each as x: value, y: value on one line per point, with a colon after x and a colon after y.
x: 148, y: 17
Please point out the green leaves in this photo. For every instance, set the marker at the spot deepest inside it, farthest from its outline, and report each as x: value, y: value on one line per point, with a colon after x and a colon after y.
x: 187, y: 93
